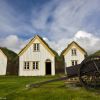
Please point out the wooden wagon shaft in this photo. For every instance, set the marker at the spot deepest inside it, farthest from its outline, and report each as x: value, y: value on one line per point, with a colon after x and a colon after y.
x: 48, y: 81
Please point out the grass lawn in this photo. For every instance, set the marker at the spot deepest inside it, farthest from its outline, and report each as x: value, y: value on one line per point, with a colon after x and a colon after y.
x: 13, y: 88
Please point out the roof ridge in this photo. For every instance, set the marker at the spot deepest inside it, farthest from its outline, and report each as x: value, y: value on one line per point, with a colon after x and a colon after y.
x: 70, y: 45
x: 53, y: 51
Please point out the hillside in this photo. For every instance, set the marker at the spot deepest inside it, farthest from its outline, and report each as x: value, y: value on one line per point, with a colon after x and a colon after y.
x: 97, y: 53
x: 12, y: 63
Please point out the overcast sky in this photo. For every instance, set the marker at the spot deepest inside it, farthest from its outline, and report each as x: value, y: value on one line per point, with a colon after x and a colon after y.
x: 58, y: 21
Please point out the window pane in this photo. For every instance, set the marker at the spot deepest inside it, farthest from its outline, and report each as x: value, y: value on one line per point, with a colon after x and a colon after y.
x: 33, y: 65
x: 37, y: 47
x: 27, y: 64
x: 34, y: 47
x: 24, y: 67
x: 75, y: 62
x: 36, y: 65
x: 74, y: 52
x: 72, y: 63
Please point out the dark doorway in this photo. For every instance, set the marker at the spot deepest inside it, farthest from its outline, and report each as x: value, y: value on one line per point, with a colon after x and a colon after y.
x: 48, y: 68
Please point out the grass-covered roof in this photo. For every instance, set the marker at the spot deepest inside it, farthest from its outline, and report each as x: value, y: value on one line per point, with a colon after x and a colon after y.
x: 12, y: 61
x: 97, y: 53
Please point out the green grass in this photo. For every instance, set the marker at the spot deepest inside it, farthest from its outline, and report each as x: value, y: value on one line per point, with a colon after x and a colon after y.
x: 13, y: 88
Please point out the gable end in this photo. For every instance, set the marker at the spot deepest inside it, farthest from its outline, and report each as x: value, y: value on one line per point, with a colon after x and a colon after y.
x: 41, y: 41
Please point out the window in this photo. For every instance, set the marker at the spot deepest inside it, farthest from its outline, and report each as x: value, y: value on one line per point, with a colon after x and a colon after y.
x: 36, y: 47
x: 74, y: 62
x: 26, y: 65
x: 35, y: 65
x: 74, y: 53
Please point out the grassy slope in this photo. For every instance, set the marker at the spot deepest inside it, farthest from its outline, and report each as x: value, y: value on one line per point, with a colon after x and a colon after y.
x: 97, y: 53
x: 13, y: 88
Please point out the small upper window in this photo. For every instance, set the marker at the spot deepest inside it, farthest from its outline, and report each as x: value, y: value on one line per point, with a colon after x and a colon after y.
x: 74, y: 53
x: 36, y: 47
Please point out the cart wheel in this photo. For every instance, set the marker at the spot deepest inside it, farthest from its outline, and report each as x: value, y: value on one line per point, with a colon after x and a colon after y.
x: 89, y: 72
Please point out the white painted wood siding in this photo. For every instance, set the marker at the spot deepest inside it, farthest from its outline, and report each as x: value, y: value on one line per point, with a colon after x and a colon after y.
x: 68, y: 57
x: 3, y: 63
x: 41, y: 56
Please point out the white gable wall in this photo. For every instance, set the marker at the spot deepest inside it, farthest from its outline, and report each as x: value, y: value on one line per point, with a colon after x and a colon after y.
x: 68, y: 57
x: 3, y: 63
x: 41, y: 56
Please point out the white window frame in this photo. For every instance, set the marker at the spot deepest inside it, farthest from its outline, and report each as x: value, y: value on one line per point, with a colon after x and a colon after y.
x: 74, y: 62
x: 26, y: 65
x: 36, y: 47
x: 35, y: 65
x: 74, y: 52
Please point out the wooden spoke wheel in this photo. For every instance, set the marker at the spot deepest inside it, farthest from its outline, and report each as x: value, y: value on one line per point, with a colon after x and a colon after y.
x: 89, y: 72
